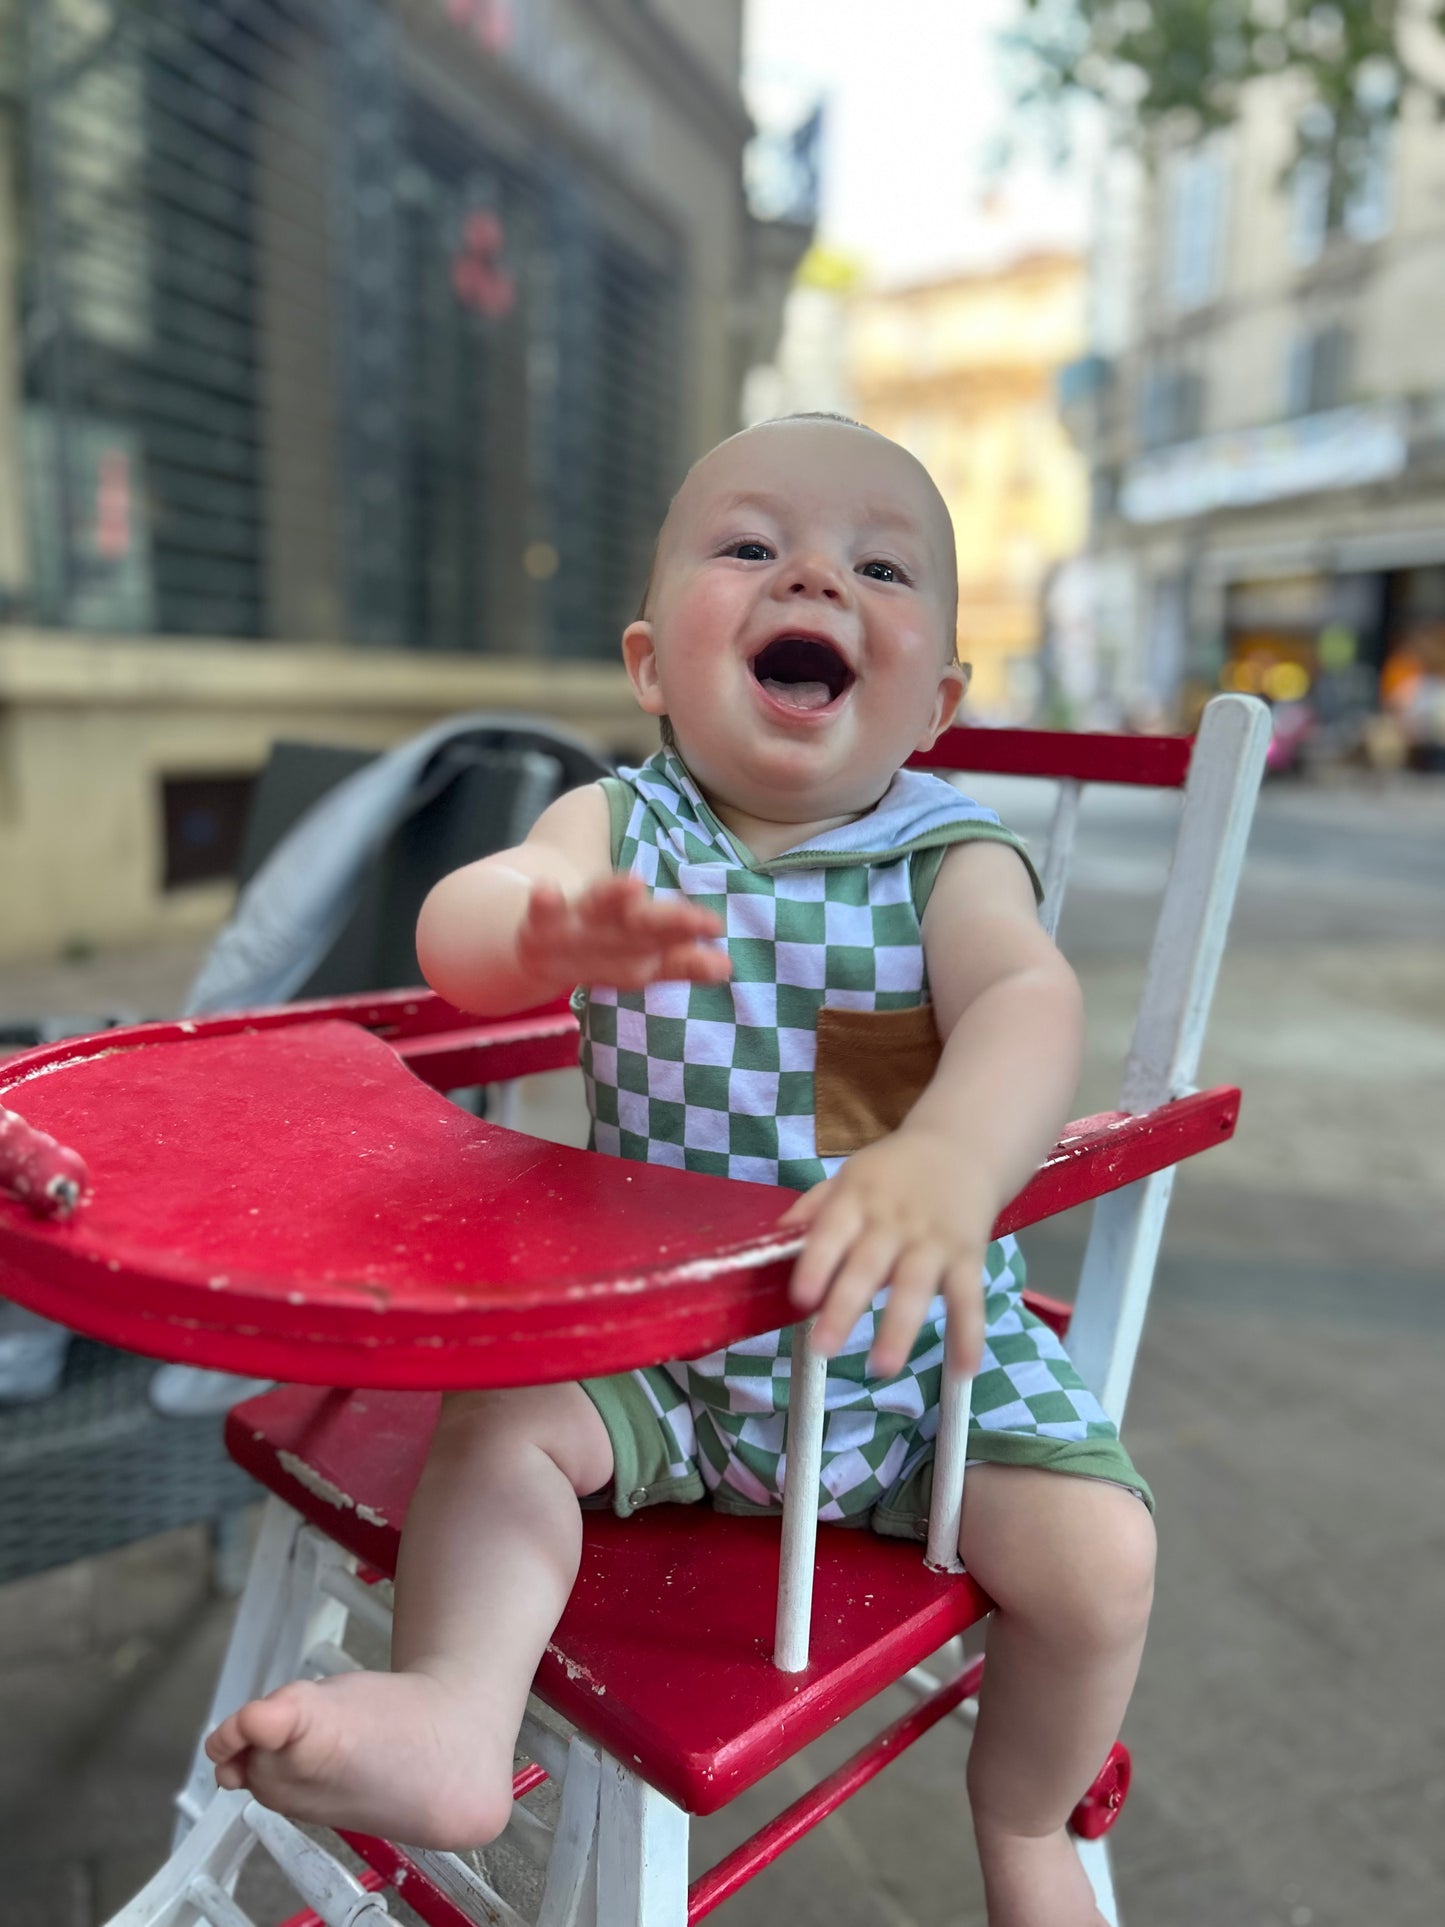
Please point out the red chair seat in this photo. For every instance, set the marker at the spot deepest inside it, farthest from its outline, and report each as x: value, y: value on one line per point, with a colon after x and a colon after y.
x: 662, y: 1656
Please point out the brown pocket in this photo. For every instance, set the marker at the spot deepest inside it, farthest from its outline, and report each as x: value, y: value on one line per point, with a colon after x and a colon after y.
x: 872, y: 1067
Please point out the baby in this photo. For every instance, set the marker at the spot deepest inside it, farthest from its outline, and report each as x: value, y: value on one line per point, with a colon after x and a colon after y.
x: 800, y: 964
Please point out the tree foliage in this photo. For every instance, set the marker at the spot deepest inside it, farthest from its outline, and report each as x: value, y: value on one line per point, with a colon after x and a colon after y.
x: 1157, y: 62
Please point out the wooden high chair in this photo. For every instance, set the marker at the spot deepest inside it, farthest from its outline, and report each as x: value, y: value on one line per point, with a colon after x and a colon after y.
x: 281, y: 1194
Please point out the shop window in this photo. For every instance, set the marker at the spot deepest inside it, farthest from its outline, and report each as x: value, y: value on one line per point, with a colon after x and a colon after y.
x: 204, y: 820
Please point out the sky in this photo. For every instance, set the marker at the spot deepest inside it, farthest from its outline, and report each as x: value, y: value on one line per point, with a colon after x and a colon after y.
x: 916, y: 101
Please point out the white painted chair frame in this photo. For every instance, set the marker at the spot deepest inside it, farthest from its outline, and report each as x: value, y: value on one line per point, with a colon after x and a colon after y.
x: 618, y: 1854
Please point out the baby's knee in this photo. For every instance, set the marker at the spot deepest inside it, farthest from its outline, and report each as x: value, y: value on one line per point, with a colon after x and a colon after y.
x: 465, y: 1417
x: 1082, y: 1567
x: 558, y: 1421
x: 1107, y: 1590
x: 1130, y: 1550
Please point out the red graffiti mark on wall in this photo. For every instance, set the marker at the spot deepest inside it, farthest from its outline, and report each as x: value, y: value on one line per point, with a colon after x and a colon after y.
x: 480, y: 281
x: 489, y: 22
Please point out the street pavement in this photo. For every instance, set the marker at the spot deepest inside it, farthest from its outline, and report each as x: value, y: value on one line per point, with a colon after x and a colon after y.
x: 1288, y: 1731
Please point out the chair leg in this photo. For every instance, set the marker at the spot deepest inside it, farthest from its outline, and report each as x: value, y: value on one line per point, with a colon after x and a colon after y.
x: 195, y: 1885
x: 289, y: 1622
x: 1095, y: 1857
x: 641, y: 1853
x: 259, y: 1614
x: 214, y: 1850
x: 570, y: 1896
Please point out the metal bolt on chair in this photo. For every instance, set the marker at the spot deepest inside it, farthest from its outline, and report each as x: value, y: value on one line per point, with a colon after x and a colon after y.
x: 284, y: 1193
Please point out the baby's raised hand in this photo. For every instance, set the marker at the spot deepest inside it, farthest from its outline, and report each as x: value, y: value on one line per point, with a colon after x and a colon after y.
x: 613, y: 933
x: 906, y: 1213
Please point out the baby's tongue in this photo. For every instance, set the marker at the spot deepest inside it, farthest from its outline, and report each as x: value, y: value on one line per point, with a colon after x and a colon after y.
x: 798, y: 695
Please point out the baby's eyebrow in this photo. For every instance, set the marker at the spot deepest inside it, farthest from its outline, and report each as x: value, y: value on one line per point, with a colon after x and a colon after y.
x: 750, y: 498
x: 880, y: 516
x: 886, y: 517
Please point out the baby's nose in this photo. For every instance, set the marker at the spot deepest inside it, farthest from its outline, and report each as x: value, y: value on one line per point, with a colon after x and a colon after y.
x: 816, y: 577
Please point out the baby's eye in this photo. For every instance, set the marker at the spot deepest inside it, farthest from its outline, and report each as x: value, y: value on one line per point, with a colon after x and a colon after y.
x: 750, y: 551
x: 882, y: 571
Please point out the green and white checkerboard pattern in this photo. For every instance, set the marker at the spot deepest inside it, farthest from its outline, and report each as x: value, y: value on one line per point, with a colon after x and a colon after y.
x: 719, y: 1078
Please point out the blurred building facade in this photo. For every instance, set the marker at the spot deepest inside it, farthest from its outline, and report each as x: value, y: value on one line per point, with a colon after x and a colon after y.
x: 1263, y: 408
x: 349, y: 353
x: 964, y: 372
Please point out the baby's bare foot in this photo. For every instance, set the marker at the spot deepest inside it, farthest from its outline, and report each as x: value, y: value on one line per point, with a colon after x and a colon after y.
x: 1035, y: 1881
x: 397, y: 1754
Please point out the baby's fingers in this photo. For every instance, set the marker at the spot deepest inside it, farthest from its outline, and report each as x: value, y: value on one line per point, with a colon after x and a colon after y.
x: 547, y: 908
x: 830, y: 1236
x: 615, y: 893
x: 696, y: 963
x: 915, y: 1282
x: 661, y: 917
x: 545, y: 936
x: 864, y: 1269
x: 963, y: 1290
x: 802, y: 1211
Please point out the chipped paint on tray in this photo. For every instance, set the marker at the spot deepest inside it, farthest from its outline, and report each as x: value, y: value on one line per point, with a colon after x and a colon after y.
x: 320, y: 1487
x: 577, y: 1672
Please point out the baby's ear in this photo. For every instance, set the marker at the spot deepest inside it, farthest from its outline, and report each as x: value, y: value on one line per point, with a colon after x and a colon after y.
x: 952, y: 688
x: 639, y: 655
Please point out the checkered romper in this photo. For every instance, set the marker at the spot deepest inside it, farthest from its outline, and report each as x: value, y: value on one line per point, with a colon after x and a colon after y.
x: 719, y: 1078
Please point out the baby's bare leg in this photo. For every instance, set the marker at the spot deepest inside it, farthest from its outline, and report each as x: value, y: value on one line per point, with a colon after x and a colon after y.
x: 488, y: 1558
x: 1070, y: 1565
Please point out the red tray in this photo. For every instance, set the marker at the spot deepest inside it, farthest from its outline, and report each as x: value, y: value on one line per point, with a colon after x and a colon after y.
x: 282, y: 1194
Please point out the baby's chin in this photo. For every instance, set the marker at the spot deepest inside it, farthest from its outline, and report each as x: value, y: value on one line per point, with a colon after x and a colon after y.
x: 785, y: 786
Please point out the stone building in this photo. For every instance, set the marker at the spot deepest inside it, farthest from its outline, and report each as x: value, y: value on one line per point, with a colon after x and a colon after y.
x: 349, y: 352
x: 963, y: 371
x: 1264, y: 414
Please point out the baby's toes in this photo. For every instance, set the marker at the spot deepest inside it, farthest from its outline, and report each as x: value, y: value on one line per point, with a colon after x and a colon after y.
x: 222, y: 1745
x: 277, y: 1721
x: 226, y: 1749
x: 270, y: 1724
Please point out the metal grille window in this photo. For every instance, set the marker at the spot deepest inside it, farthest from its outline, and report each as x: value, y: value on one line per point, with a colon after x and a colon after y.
x: 305, y: 360
x: 205, y: 823
x: 140, y: 323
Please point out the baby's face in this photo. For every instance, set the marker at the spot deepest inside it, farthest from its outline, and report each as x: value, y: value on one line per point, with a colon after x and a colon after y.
x: 799, y: 630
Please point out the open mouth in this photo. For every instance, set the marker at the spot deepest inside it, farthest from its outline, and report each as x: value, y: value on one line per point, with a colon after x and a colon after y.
x: 801, y: 672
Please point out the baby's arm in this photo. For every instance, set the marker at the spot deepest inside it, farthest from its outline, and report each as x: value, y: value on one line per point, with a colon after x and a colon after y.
x: 529, y: 924
x: 915, y: 1210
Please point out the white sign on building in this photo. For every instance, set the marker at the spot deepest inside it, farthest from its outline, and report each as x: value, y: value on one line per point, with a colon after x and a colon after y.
x: 1342, y: 448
